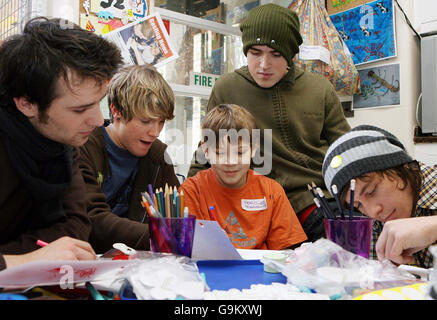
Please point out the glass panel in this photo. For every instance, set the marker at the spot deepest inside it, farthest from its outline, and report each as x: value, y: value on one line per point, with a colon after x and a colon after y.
x: 13, y: 16
x: 201, y: 51
x: 183, y: 133
x: 230, y: 12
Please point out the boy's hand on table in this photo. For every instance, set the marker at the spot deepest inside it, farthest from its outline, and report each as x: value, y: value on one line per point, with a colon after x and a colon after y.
x: 64, y: 248
x: 401, y: 238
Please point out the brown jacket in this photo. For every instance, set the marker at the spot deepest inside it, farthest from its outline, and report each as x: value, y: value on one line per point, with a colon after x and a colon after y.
x: 2, y: 263
x: 107, y: 227
x: 16, y: 207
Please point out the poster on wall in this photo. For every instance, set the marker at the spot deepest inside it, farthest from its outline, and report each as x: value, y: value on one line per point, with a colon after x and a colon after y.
x: 104, y: 16
x: 368, y: 31
x: 144, y: 41
x: 380, y: 87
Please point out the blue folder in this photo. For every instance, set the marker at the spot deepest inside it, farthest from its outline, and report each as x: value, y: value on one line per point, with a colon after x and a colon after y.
x: 237, y: 274
x: 227, y: 274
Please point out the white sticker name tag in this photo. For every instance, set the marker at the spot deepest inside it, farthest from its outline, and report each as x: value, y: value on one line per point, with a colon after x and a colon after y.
x: 254, y: 204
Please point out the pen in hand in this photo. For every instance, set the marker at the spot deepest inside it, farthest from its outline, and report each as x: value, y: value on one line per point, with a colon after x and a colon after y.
x: 65, y: 248
x: 41, y: 243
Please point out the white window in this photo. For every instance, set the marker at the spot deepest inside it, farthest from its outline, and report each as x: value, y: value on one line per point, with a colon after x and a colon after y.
x: 13, y: 16
x: 206, y: 50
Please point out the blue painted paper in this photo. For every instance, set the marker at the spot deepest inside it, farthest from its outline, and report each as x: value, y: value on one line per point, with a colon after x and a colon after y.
x: 368, y: 31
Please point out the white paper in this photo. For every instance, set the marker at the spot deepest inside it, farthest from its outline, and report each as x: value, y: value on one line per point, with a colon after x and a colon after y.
x: 144, y: 41
x: 255, y: 254
x: 41, y: 273
x: 314, y: 53
x: 211, y: 243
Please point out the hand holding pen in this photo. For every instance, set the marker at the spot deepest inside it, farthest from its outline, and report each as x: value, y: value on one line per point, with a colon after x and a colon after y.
x: 64, y: 248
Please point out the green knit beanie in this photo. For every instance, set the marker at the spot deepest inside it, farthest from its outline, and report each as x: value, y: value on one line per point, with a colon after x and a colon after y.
x: 274, y: 26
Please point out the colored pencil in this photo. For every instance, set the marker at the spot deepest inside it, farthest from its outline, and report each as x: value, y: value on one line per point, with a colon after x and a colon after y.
x: 150, y: 189
x: 351, y: 204
x: 167, y: 202
x: 158, y: 200
x: 335, y: 194
x: 181, y: 200
x: 171, y: 199
x: 161, y: 196
x: 178, y: 210
x: 325, y: 203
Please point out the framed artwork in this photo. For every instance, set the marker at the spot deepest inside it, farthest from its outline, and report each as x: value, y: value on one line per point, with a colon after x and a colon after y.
x: 104, y: 16
x: 380, y: 87
x: 368, y: 31
x: 144, y: 41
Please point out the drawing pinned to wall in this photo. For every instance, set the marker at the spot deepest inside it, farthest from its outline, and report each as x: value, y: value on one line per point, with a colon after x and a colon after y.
x: 339, y: 3
x: 380, y: 87
x: 104, y: 16
x: 368, y: 31
x: 144, y: 41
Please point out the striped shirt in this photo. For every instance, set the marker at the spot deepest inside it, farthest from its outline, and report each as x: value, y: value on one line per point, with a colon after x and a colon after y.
x: 426, y: 206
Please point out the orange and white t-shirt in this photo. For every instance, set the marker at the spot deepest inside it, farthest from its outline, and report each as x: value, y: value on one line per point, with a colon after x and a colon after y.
x: 256, y: 216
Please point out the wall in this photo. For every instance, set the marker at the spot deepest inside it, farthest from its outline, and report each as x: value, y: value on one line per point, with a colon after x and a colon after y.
x: 66, y: 9
x: 399, y: 120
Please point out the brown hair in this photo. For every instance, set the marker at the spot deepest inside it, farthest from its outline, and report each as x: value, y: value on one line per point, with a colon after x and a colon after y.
x: 409, y: 174
x: 227, y: 117
x: 231, y: 122
x: 49, y: 49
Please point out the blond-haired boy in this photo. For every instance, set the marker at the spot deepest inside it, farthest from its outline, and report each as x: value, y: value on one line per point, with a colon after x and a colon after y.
x: 121, y: 159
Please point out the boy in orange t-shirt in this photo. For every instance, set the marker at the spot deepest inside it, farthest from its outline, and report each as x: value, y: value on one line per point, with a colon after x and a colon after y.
x: 253, y: 209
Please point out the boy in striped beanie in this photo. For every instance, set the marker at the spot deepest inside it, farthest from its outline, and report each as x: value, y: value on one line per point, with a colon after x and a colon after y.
x: 391, y: 187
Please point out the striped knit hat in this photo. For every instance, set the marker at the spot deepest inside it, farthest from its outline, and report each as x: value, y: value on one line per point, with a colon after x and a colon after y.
x: 274, y: 26
x: 362, y: 150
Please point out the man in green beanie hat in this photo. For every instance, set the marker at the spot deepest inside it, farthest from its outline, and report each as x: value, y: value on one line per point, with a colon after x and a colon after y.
x: 301, y: 109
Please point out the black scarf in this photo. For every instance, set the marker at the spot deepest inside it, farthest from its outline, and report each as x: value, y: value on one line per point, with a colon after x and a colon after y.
x: 45, y: 166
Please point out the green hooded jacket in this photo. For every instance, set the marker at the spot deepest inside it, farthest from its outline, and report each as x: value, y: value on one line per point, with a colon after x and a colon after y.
x: 305, y: 116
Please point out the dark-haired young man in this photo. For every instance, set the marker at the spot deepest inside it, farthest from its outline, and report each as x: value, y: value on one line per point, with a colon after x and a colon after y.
x: 391, y: 188
x: 52, y: 78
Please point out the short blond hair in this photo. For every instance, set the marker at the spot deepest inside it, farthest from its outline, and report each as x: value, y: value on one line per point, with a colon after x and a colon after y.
x: 141, y: 91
